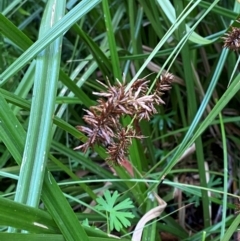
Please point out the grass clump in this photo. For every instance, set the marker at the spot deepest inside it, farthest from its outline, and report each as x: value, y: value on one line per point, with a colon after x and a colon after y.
x: 144, y: 162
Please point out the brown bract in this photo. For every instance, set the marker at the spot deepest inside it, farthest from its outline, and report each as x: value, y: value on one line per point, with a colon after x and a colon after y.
x: 104, y: 127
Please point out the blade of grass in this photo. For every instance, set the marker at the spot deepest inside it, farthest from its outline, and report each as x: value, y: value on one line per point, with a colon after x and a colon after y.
x: 135, y: 45
x: 182, y: 147
x: 170, y: 13
x: 11, y: 131
x: 219, y: 10
x: 225, y: 179
x: 111, y: 40
x: 59, y: 28
x: 227, y: 96
x: 16, y: 36
x: 43, y: 103
x: 14, y: 141
x: 73, y: 176
x: 27, y: 218
x: 149, y: 232
x: 232, y: 229
x: 151, y: 14
x: 168, y: 34
x: 65, y: 220
x: 86, y: 162
x: 103, y: 62
x: 32, y: 237
x: 61, y: 209
x: 13, y: 33
x: 49, y: 237
x: 25, y: 85
x: 192, y: 107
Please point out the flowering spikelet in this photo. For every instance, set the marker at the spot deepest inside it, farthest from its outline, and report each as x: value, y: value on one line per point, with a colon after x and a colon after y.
x: 118, y: 149
x: 104, y: 127
x: 232, y: 38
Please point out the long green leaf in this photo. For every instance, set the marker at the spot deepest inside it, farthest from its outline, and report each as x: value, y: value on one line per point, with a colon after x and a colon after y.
x: 59, y: 28
x: 11, y: 131
x: 16, y: 36
x: 111, y: 40
x: 48, y: 237
x: 39, y: 129
x: 27, y: 218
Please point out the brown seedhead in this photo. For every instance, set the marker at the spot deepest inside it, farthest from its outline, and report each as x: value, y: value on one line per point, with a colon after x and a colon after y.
x: 104, y: 127
x: 232, y: 39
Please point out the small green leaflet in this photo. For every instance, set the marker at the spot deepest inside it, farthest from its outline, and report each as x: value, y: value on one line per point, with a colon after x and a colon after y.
x: 117, y: 218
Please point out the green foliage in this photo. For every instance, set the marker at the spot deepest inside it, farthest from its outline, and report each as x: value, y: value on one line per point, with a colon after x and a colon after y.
x: 52, y: 52
x: 213, y: 184
x: 164, y: 120
x: 115, y: 217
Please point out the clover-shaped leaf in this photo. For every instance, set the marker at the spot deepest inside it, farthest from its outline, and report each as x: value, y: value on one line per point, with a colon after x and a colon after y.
x: 116, y: 218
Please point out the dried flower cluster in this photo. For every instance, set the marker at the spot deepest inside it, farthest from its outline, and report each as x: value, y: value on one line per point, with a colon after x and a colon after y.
x: 232, y: 39
x: 103, y: 120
